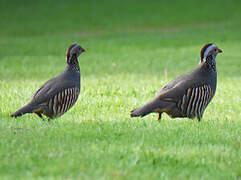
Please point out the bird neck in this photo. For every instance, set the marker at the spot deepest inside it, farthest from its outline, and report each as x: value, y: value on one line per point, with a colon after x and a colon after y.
x: 73, y: 64
x: 210, y: 63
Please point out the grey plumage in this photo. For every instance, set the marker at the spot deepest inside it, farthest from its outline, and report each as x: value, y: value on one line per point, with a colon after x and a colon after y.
x: 189, y: 94
x: 59, y: 94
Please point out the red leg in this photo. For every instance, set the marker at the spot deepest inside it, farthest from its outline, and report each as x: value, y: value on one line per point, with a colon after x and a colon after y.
x: 160, y: 116
x: 39, y: 114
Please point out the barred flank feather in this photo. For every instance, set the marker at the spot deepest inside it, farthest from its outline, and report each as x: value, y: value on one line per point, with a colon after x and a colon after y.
x: 195, y: 101
x: 63, y: 101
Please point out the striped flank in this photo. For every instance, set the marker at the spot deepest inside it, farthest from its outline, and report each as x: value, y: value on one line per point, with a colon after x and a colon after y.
x: 195, y: 101
x: 63, y: 101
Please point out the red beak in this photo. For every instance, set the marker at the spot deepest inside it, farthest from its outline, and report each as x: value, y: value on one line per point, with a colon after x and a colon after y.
x: 83, y: 50
x: 220, y: 51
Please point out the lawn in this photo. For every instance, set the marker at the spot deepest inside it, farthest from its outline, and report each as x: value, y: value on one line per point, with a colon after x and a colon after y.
x: 133, y: 48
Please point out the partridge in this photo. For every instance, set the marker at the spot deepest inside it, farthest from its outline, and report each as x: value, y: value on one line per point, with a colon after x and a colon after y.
x: 188, y: 95
x: 59, y: 94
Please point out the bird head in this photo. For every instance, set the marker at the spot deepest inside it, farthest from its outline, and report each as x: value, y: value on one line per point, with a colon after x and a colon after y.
x: 209, y: 49
x: 74, y: 51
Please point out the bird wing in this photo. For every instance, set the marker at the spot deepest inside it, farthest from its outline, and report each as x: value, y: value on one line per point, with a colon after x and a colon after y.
x: 51, y: 88
x: 175, y: 90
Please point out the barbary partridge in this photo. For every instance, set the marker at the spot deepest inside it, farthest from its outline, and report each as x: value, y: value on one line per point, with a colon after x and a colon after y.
x: 59, y: 94
x: 189, y: 94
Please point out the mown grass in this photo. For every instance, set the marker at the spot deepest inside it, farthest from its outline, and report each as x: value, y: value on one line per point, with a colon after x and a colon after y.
x: 133, y: 49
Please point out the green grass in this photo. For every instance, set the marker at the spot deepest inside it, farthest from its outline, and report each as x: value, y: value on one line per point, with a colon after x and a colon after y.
x: 133, y: 49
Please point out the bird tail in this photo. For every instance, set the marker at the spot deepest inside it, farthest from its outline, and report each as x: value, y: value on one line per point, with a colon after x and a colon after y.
x: 156, y: 105
x: 25, y: 109
x: 145, y: 109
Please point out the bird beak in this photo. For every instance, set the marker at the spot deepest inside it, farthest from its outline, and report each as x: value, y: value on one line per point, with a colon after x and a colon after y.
x: 83, y: 50
x: 220, y: 51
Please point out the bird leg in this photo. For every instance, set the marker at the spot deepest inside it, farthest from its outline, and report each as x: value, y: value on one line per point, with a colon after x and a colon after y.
x: 49, y: 119
x: 39, y: 114
x: 159, y: 116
